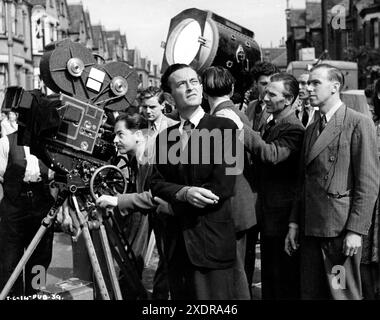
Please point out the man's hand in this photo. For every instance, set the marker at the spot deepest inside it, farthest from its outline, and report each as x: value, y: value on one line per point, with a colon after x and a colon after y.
x: 351, y: 243
x: 291, y: 240
x: 106, y: 201
x: 163, y: 206
x: 64, y: 219
x: 200, y: 197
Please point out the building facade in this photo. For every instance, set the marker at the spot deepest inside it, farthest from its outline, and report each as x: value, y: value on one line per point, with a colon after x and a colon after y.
x: 80, y: 25
x: 50, y: 22
x: 16, y: 65
x: 338, y: 30
x: 100, y: 44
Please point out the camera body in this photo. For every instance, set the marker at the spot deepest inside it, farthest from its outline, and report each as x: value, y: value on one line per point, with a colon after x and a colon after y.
x: 68, y: 130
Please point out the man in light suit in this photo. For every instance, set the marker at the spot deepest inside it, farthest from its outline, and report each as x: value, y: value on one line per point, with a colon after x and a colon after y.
x: 152, y: 105
x: 340, y: 183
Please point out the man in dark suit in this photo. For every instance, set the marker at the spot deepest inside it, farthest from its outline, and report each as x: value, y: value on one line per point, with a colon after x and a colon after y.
x: 340, y: 183
x: 218, y: 87
x: 256, y: 112
x: 276, y: 160
x: 258, y: 117
x: 304, y: 111
x: 202, y: 235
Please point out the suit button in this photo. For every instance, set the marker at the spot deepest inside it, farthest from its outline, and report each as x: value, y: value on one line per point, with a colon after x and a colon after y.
x: 332, y: 159
x: 326, y: 177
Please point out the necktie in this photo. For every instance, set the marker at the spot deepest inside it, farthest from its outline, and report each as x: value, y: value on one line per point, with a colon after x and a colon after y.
x: 267, y: 129
x: 187, y: 127
x: 322, y: 123
x: 305, y: 117
x: 259, y: 107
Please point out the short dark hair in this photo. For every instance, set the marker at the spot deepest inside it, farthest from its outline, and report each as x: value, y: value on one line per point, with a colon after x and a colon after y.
x: 263, y: 68
x: 165, y: 86
x: 334, y: 73
x: 217, y: 81
x: 290, y: 84
x: 134, y: 121
x: 151, y: 92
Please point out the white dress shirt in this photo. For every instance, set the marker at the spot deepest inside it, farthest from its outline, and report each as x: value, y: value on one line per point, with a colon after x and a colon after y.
x: 195, y: 118
x: 332, y: 111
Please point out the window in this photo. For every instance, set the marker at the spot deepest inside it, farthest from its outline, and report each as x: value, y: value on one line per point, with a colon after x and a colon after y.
x: 63, y: 9
x: 51, y: 32
x: 13, y: 17
x: 25, y: 24
x: 2, y: 18
x: 376, y: 33
x: 19, y: 21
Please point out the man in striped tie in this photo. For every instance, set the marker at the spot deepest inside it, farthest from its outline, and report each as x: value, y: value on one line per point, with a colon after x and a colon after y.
x: 337, y: 193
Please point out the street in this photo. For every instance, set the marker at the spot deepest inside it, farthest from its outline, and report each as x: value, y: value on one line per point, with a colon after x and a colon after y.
x: 61, y: 267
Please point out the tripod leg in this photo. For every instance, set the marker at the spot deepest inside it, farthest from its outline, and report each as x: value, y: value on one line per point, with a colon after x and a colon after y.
x: 91, y: 253
x: 122, y: 237
x: 46, y: 223
x: 135, y: 287
x: 24, y: 260
x: 110, y: 265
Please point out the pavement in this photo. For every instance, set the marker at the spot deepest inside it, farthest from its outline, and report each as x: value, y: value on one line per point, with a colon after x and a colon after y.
x: 61, y: 267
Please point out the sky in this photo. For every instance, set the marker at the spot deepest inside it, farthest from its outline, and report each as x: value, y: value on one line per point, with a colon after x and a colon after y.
x: 146, y: 22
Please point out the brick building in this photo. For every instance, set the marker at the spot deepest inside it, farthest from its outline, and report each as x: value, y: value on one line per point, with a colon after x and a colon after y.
x: 20, y: 45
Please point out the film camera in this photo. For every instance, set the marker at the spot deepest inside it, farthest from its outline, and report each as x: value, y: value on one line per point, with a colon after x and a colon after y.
x: 68, y: 131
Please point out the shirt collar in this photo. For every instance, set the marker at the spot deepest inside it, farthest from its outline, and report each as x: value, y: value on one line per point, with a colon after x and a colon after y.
x: 195, y: 118
x: 332, y: 111
x: 308, y: 106
x: 156, y: 123
x: 220, y: 101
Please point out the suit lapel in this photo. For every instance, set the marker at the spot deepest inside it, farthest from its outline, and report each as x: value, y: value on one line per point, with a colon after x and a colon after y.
x: 263, y: 119
x: 333, y: 128
x: 311, y: 135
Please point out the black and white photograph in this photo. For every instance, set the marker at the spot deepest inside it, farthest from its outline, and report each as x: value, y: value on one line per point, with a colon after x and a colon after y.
x: 188, y: 155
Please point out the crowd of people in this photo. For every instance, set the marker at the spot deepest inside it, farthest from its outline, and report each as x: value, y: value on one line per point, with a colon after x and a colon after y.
x: 303, y: 183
